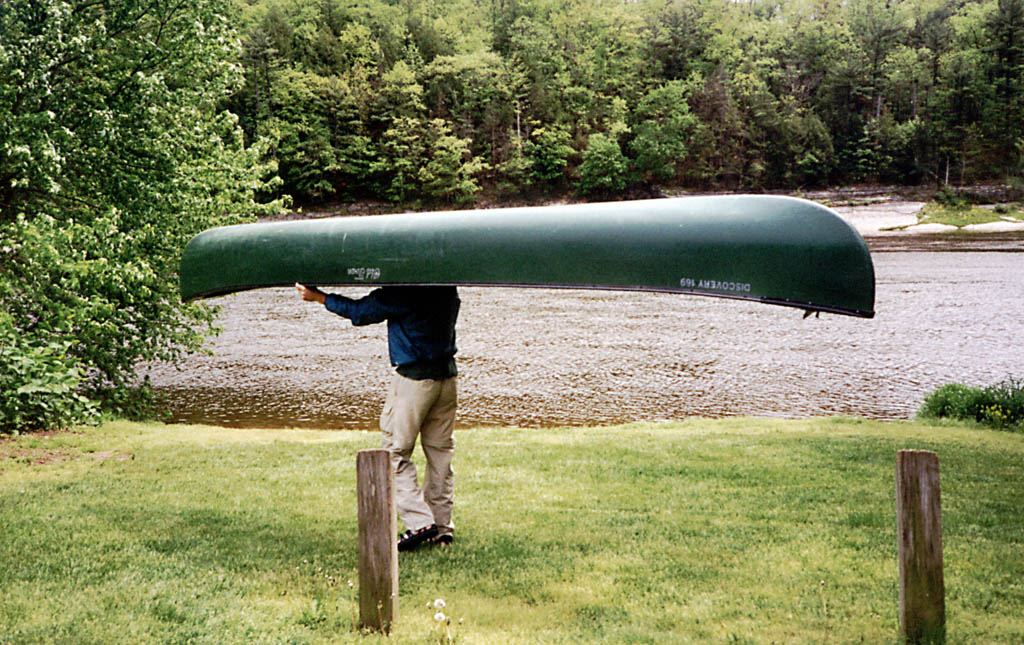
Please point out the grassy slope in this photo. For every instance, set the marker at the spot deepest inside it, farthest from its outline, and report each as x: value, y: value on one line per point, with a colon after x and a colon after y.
x: 934, y: 213
x: 740, y: 530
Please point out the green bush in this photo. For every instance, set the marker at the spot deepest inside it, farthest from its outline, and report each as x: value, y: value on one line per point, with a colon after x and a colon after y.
x: 39, y: 385
x: 115, y: 149
x: 663, y: 132
x: 1006, y: 406
x: 604, y: 167
x: 450, y: 171
x: 952, y: 198
x: 549, y: 150
x: 952, y: 401
x: 997, y: 406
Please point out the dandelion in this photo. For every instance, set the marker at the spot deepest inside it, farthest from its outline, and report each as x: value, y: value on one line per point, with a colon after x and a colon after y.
x: 444, y: 622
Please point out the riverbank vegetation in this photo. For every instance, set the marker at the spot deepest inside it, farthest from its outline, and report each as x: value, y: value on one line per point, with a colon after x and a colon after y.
x: 115, y: 148
x: 959, y: 208
x: 935, y: 213
x: 965, y: 213
x: 996, y: 406
x: 736, y: 530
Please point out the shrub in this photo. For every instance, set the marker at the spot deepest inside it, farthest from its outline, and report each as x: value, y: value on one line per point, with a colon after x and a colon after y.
x: 952, y: 401
x: 549, y: 151
x: 997, y: 406
x: 115, y: 149
x: 39, y: 385
x: 604, y: 167
x: 449, y: 173
x: 952, y: 198
x: 663, y: 132
x: 1005, y: 407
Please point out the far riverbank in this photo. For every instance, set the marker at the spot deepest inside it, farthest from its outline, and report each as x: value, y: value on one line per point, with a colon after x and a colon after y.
x: 875, y: 211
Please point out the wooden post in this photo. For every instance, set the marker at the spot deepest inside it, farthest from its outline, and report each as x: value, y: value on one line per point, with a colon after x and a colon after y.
x: 378, y: 547
x: 919, y: 529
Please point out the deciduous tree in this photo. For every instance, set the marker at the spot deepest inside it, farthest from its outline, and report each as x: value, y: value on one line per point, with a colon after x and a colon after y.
x: 114, y: 150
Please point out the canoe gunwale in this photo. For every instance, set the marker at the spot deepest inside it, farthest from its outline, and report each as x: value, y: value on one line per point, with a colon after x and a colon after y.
x: 805, y: 306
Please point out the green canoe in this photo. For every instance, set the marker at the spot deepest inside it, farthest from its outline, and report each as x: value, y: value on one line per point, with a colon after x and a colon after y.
x: 776, y: 250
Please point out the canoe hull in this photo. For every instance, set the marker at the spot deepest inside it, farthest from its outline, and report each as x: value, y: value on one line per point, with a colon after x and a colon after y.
x: 776, y: 250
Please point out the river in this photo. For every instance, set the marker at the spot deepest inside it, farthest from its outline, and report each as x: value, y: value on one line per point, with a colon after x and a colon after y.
x: 947, y: 309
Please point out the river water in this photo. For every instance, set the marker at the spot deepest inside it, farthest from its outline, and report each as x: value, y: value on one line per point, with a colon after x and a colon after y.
x: 947, y: 309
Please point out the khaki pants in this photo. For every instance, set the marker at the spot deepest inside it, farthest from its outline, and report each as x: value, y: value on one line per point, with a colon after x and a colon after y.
x: 427, y: 409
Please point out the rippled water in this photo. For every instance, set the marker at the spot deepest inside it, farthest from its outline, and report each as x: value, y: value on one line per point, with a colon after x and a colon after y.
x: 537, y: 357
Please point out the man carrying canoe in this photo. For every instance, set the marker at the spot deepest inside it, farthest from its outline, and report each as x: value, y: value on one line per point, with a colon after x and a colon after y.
x: 421, y: 400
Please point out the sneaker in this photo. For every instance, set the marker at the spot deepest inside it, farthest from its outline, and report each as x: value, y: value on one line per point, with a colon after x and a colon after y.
x: 411, y: 539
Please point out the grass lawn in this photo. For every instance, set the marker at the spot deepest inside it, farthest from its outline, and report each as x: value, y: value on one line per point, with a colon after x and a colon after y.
x: 727, y: 531
x: 934, y: 213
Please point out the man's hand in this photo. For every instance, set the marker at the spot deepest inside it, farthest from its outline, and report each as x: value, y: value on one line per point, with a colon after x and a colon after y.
x: 311, y: 294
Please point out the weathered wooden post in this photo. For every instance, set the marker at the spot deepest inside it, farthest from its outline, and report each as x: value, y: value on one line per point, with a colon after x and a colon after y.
x: 919, y: 529
x: 378, y: 548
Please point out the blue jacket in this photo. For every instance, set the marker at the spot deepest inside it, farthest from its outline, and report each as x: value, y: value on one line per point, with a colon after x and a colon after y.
x: 421, y: 321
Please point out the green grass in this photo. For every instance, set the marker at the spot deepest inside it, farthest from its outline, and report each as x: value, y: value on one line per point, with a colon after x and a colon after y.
x: 935, y: 213
x: 739, y: 530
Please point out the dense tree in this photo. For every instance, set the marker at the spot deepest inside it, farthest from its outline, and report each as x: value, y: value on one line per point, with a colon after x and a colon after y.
x: 604, y: 169
x: 803, y: 92
x: 548, y: 150
x: 1005, y: 27
x: 663, y: 131
x: 114, y: 150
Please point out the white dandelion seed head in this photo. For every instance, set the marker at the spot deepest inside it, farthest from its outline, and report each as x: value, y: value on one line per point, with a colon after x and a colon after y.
x: 439, y: 603
x: 439, y: 616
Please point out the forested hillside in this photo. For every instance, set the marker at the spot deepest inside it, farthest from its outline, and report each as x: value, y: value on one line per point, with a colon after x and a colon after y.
x: 437, y: 100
